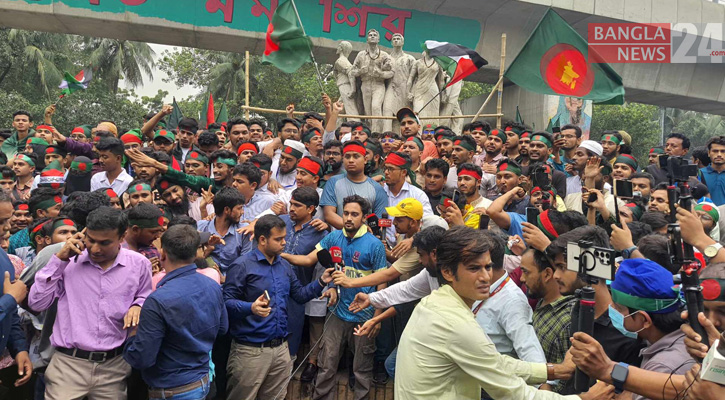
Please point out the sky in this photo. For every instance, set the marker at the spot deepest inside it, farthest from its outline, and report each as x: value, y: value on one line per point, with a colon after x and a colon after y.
x: 151, y: 87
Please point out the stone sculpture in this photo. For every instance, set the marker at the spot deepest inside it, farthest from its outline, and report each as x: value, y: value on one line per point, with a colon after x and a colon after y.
x: 373, y: 66
x: 396, y: 94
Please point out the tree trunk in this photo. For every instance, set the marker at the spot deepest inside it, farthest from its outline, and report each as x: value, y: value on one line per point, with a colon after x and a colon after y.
x: 5, y: 72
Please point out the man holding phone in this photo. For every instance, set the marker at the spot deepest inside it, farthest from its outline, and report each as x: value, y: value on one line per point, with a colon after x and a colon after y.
x: 457, y: 212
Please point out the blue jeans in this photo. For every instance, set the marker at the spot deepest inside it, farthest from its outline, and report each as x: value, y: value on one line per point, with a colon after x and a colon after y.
x: 196, y: 394
x: 390, y: 363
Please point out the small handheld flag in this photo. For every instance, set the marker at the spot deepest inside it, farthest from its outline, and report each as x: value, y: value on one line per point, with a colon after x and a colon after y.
x: 72, y: 83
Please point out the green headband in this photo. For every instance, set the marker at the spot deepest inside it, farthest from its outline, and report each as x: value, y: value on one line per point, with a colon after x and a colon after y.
x: 37, y: 140
x: 464, y: 144
x: 417, y: 142
x: 644, y: 304
x: 611, y: 138
x: 542, y: 139
x: 25, y: 158
x: 147, y: 223
x: 139, y: 187
x: 228, y: 161
x: 196, y: 156
x: 81, y: 166
x: 510, y: 168
x: 63, y: 222
x: 51, y: 202
x: 710, y: 210
x: 627, y: 160
x: 292, y: 151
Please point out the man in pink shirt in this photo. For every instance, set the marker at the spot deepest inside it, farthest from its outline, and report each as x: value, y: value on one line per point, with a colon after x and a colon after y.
x: 100, y: 288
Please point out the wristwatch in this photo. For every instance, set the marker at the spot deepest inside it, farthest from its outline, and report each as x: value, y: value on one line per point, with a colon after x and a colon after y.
x: 619, y: 376
x: 711, y: 250
x: 627, y: 253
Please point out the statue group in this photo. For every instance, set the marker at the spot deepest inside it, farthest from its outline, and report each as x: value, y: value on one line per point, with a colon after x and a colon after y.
x: 378, y: 83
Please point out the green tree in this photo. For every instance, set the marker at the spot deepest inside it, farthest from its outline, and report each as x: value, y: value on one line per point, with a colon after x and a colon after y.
x: 38, y: 57
x: 639, y: 120
x: 121, y: 59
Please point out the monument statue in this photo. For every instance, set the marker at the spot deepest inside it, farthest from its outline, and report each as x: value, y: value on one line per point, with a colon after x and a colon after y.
x: 451, y: 106
x: 424, y: 83
x: 373, y: 66
x: 345, y: 80
x: 396, y: 95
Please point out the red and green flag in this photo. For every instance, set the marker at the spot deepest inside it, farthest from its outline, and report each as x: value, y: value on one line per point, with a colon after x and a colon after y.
x: 456, y: 60
x: 286, y: 45
x: 223, y: 115
x: 207, y: 116
x: 554, y: 61
x: 72, y: 83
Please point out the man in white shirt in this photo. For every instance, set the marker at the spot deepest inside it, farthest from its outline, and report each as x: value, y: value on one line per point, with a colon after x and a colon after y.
x: 397, y: 168
x: 285, y: 171
x: 110, y: 156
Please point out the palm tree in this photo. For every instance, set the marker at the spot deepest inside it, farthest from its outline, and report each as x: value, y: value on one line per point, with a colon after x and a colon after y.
x: 45, y: 53
x: 227, y: 76
x: 121, y: 59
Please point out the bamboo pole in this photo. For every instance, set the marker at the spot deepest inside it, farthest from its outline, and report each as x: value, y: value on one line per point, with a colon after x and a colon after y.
x: 274, y: 111
x: 490, y: 96
x: 246, y: 83
x: 499, y: 100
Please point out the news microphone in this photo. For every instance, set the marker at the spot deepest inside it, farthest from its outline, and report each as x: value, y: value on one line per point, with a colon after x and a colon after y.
x: 374, y: 224
x: 337, y: 263
x: 325, y: 258
x: 385, y: 223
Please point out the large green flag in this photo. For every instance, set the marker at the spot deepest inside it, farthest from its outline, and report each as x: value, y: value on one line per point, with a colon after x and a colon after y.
x: 223, y: 114
x: 554, y: 61
x: 174, y: 117
x: 286, y: 47
x: 519, y: 119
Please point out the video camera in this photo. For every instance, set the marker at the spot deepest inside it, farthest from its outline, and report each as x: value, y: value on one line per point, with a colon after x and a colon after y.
x: 678, y: 169
x: 591, y: 263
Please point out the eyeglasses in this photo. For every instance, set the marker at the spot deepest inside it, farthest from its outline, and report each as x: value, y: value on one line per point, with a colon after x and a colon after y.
x: 391, y: 169
x: 389, y: 140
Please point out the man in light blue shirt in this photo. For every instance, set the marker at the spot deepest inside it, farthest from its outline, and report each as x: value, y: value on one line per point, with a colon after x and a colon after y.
x: 246, y: 179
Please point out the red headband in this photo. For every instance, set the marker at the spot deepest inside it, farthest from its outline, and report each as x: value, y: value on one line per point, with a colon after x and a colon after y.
x: 111, y: 193
x: 23, y: 207
x: 130, y: 138
x: 309, y: 165
x: 538, y: 189
x: 470, y: 173
x: 525, y: 135
x: 246, y: 146
x: 546, y: 223
x: 46, y: 127
x: 354, y: 147
x: 78, y: 129
x: 394, y: 159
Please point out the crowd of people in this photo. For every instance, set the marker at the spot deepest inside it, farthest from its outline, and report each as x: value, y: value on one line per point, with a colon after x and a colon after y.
x: 217, y: 262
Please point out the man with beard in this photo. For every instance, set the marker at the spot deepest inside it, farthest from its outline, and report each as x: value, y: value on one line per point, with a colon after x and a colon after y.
x: 186, y: 135
x: 362, y: 254
x: 360, y: 132
x: 436, y: 171
x: 373, y: 160
x: 413, y: 147
x: 493, y: 146
x: 611, y: 142
x: 658, y: 200
x: 312, y: 140
x: 24, y: 167
x: 354, y: 182
x: 654, y: 154
x: 469, y: 179
x: 570, y: 140
x: 552, y: 315
x: 410, y: 126
x: 462, y: 151
x: 287, y: 128
x: 228, y: 244
x: 284, y: 171
x: 712, y: 175
x: 578, y: 162
x: 444, y: 144
x: 643, y: 183
x: 238, y: 131
x: 173, y: 195
x: 164, y: 141
x: 524, y: 140
x: 539, y: 151
x: 333, y: 161
x: 624, y: 167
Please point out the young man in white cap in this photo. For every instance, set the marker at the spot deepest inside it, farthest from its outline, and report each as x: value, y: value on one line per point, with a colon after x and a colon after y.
x: 285, y: 170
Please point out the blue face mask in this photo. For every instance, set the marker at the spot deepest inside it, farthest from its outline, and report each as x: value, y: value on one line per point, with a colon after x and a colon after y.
x: 618, y: 321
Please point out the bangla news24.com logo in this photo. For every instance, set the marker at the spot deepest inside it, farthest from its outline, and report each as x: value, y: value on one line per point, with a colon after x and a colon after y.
x: 681, y: 43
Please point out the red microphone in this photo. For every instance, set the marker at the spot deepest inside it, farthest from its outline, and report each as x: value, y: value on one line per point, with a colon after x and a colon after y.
x: 337, y: 262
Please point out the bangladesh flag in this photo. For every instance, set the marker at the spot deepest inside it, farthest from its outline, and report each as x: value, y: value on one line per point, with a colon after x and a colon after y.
x: 72, y: 83
x: 174, y: 117
x: 456, y: 60
x: 223, y: 115
x: 554, y: 61
x: 207, y: 116
x: 286, y: 46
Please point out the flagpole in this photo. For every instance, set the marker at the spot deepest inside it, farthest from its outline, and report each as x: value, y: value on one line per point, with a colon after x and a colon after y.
x: 431, y: 100
x: 317, y: 68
